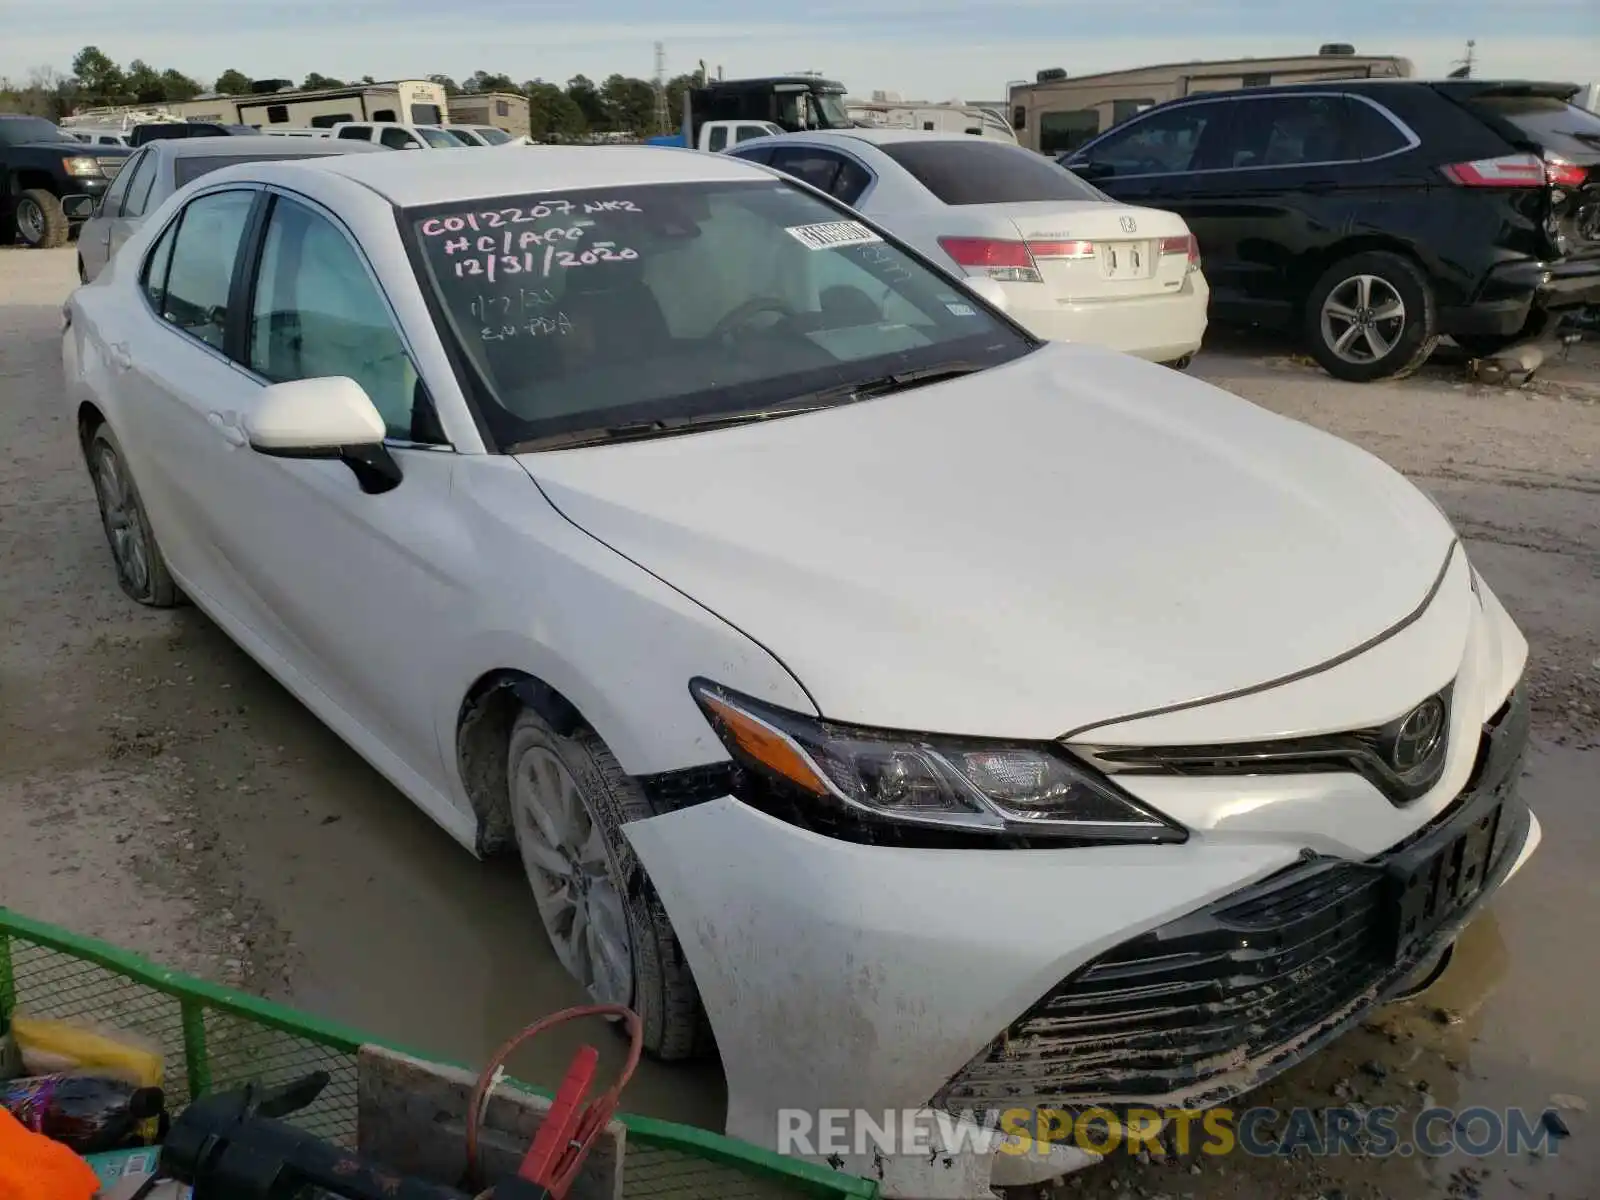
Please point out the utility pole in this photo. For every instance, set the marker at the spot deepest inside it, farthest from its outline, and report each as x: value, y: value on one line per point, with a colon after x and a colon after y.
x: 663, y: 118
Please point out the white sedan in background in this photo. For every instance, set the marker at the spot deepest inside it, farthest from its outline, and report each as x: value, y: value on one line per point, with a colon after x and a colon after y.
x: 952, y: 717
x: 1075, y: 264
x: 162, y: 167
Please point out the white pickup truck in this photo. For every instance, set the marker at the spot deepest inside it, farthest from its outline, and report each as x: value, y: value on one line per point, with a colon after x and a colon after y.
x: 716, y: 136
x: 397, y: 136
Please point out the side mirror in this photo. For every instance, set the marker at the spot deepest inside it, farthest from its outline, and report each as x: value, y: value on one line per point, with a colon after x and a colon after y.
x: 330, y: 418
x: 989, y: 289
x: 78, y: 208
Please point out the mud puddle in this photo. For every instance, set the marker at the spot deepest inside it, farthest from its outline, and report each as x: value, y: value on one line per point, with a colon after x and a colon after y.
x: 347, y: 901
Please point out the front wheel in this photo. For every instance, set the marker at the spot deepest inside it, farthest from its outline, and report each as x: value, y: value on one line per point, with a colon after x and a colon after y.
x: 41, y: 221
x: 1371, y: 316
x: 569, y: 801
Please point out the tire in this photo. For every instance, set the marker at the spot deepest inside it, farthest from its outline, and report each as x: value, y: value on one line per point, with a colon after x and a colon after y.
x: 1365, y: 345
x: 141, y: 569
x: 546, y: 773
x: 41, y: 221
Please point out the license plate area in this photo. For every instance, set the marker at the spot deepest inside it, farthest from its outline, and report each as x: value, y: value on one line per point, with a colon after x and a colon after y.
x: 1124, y: 260
x: 1437, y: 880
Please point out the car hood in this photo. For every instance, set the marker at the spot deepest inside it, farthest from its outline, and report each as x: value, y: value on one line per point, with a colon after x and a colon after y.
x: 1053, y: 544
x: 82, y: 149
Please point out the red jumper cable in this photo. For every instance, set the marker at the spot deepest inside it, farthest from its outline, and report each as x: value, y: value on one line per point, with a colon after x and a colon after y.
x: 571, y: 1127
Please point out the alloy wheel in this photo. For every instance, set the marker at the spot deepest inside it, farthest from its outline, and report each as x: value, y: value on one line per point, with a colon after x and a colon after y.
x: 123, y: 521
x: 30, y: 220
x: 1363, y: 319
x: 574, y: 881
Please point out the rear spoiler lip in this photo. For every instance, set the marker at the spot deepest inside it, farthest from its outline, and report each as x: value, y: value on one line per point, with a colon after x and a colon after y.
x: 1467, y: 89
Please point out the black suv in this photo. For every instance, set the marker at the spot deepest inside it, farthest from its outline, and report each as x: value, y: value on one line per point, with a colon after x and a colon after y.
x: 1376, y: 215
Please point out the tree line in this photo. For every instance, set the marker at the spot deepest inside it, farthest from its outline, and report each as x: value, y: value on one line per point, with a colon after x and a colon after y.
x: 619, y: 104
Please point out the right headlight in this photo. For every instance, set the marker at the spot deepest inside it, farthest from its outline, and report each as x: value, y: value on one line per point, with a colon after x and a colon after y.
x: 887, y: 778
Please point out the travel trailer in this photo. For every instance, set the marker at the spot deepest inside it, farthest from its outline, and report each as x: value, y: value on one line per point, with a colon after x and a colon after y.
x: 1058, y: 112
x: 274, y: 102
x: 500, y: 110
x: 887, y: 110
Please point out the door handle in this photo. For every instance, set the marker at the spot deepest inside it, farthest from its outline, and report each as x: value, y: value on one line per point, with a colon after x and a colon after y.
x: 230, y: 432
x: 121, y: 356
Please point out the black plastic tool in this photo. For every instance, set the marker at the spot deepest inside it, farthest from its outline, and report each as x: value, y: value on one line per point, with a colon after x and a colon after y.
x: 235, y: 1146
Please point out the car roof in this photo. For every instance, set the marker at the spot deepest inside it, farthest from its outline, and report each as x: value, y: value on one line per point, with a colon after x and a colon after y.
x: 235, y: 147
x: 1464, y: 86
x: 885, y: 136
x: 409, y: 180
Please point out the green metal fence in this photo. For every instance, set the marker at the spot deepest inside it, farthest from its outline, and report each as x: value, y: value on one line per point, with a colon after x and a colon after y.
x: 220, y: 1038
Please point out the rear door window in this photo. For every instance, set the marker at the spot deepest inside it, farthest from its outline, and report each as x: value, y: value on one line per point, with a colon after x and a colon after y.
x: 983, y: 172
x: 1547, y: 122
x: 137, y: 201
x: 201, y: 269
x: 1283, y: 131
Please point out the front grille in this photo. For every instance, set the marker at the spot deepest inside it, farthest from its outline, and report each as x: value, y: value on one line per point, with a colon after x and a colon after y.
x: 1215, y: 1002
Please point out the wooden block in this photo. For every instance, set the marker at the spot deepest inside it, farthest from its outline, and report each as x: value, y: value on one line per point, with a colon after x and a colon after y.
x: 412, y: 1116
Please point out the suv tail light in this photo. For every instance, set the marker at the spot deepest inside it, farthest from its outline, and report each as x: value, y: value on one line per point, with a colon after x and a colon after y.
x: 1007, y: 261
x: 1515, y: 171
x: 1560, y: 173
x: 1186, y: 244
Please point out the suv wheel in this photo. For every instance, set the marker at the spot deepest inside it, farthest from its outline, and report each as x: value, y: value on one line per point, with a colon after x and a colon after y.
x: 41, y: 222
x: 1371, y: 316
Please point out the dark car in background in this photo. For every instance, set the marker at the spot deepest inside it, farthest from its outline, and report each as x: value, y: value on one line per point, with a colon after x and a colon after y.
x: 1376, y: 215
x: 153, y: 131
x: 49, y: 181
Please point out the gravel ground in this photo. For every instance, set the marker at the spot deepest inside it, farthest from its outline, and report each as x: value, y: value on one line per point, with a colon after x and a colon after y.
x: 157, y: 789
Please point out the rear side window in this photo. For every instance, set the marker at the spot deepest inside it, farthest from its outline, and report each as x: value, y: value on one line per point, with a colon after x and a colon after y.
x: 187, y: 170
x: 832, y: 173
x: 356, y: 133
x: 1549, y: 123
x: 1368, y: 133
x: 1284, y: 131
x: 987, y: 172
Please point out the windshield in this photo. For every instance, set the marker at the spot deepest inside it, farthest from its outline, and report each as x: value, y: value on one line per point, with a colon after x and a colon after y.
x: 19, y: 131
x: 590, y: 309
x: 495, y: 137
x: 830, y: 106
x: 441, y: 138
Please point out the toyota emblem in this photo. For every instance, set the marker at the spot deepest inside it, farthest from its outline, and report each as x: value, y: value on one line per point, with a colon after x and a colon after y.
x: 1419, y: 735
x: 1129, y: 225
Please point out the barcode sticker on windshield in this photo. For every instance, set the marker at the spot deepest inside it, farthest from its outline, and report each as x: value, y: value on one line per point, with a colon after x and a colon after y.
x: 832, y: 234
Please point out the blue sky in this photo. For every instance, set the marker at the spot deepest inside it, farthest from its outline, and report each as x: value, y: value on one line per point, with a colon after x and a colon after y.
x: 927, y: 49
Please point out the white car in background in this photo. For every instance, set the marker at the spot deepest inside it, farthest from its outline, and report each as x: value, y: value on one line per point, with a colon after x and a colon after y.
x: 393, y: 135
x: 1075, y: 265
x: 161, y: 168
x: 479, y: 135
x: 954, y: 718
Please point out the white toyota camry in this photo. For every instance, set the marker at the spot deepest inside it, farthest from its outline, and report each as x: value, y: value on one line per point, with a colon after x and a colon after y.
x: 953, y: 718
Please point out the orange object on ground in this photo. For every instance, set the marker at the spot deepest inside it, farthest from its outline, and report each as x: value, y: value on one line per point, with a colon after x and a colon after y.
x: 32, y: 1167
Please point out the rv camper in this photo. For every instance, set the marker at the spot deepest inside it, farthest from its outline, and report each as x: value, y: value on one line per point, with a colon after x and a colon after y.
x: 887, y: 110
x: 1058, y: 112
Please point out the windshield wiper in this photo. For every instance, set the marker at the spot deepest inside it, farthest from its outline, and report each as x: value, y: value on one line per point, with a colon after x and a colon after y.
x: 634, y: 431
x: 898, y: 381
x: 847, y: 393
